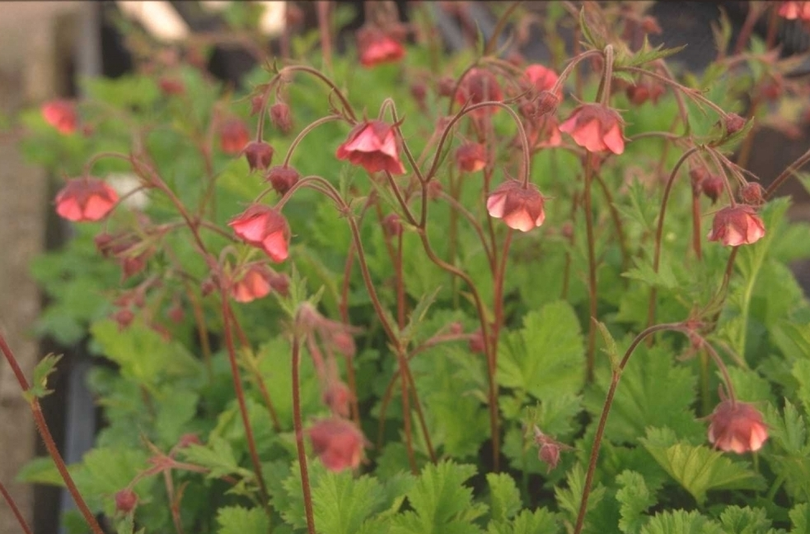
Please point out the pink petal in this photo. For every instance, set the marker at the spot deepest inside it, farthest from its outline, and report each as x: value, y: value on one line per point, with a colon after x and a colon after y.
x: 614, y: 140
x: 519, y: 220
x: 275, y: 245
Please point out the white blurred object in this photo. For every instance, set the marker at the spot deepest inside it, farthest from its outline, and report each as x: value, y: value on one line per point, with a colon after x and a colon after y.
x: 158, y: 17
x: 271, y: 21
x: 125, y: 183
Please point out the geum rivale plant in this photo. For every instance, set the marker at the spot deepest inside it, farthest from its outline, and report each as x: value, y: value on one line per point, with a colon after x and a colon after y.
x: 519, y: 299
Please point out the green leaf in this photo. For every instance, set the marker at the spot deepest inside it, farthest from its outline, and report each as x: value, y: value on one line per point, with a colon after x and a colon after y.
x: 700, y: 469
x: 737, y: 520
x: 217, y: 455
x: 570, y: 498
x: 417, y: 316
x: 504, y: 496
x: 681, y: 522
x: 441, y: 502
x: 788, y: 429
x: 635, y: 498
x: 800, y: 519
x: 39, y: 384
x: 40, y: 471
x: 644, y: 271
x: 342, y: 503
x: 544, y: 358
x: 610, y: 345
x: 238, y: 520
x: 641, y: 402
x: 540, y: 521
x: 104, y: 471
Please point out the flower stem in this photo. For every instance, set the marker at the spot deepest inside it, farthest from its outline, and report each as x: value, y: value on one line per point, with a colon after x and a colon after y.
x: 299, y: 434
x: 592, y: 283
x: 50, y: 444
x: 16, y: 511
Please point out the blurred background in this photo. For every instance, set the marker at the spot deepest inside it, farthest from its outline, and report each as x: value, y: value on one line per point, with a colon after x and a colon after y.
x: 46, y: 46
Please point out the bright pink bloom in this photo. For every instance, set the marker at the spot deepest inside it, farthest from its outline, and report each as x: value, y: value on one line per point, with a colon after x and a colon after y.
x: 259, y: 155
x: 596, y: 128
x: 793, y: 10
x: 478, y: 86
x: 233, y: 136
x: 265, y: 228
x: 471, y: 157
x: 253, y: 282
x: 376, y: 46
x: 542, y: 77
x: 520, y: 207
x: 85, y: 199
x: 372, y: 145
x: 338, y: 443
x: 60, y: 114
x: 737, y: 426
x: 737, y: 225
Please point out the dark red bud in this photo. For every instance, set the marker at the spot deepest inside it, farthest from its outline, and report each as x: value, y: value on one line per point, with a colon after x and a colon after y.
x: 712, y: 187
x: 259, y: 155
x: 752, y: 193
x: 125, y: 501
x: 281, y: 117
x: 734, y: 123
x: 446, y: 86
x: 392, y: 225
x: 282, y: 178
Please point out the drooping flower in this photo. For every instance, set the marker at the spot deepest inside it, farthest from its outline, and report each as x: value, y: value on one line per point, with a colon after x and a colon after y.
x: 520, y: 207
x: 543, y: 78
x: 338, y: 397
x: 259, y: 155
x: 376, y: 46
x: 265, y: 228
x: 793, y: 10
x: 479, y: 85
x: 372, y: 145
x: 282, y: 178
x: 281, y: 117
x: 392, y: 225
x: 338, y: 443
x: 737, y: 426
x: 709, y: 184
x: 596, y: 128
x: 548, y: 449
x: 737, y: 225
x: 233, y: 136
x: 85, y: 199
x: 543, y: 133
x: 471, y: 157
x: 251, y: 282
x: 60, y: 114
x: 752, y: 193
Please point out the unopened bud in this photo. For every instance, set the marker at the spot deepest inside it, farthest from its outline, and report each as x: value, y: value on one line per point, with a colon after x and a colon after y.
x: 752, y: 193
x: 281, y: 117
x: 282, y: 178
x: 392, y: 225
x: 259, y: 155
x: 733, y: 123
x: 125, y: 501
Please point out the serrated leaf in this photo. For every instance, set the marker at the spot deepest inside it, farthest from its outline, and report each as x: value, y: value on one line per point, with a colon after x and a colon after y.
x: 681, y: 522
x: 570, y: 497
x: 239, y: 520
x: 504, y: 496
x: 216, y: 455
x: 39, y: 383
x: 645, y: 272
x: 342, y: 503
x: 737, y: 520
x: 788, y: 429
x: 544, y: 358
x: 699, y: 469
x: 635, y: 498
x: 40, y: 471
x: 800, y: 519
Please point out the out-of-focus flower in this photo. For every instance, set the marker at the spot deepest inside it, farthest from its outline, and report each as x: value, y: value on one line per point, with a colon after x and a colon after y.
x: 233, y: 136
x: 60, y: 114
x: 251, y: 282
x: 85, y: 199
x: 338, y: 443
x: 471, y: 157
x: 479, y: 85
x: 281, y: 117
x: 793, y: 10
x: 377, y: 46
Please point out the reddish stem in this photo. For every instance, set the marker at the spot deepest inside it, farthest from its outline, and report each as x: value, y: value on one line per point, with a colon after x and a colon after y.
x: 16, y: 511
x: 50, y: 444
x: 299, y: 434
x: 592, y: 283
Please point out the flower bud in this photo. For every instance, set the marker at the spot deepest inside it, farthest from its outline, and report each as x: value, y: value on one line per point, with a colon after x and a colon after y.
x: 282, y: 178
x: 338, y: 398
x: 733, y: 123
x: 712, y: 186
x: 186, y: 440
x: 125, y: 501
x: 445, y: 86
x: 392, y: 226
x: 171, y: 86
x: 281, y: 117
x: 752, y: 193
x: 259, y: 155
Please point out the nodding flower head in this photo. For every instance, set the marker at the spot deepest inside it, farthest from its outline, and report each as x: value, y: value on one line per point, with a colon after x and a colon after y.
x: 596, y: 128
x: 85, y: 199
x: 338, y: 443
x: 282, y: 178
x: 520, y: 207
x: 737, y: 225
x: 377, y: 46
x: 542, y: 78
x: 251, y: 282
x: 233, y: 136
x: 479, y: 85
x: 60, y: 114
x: 471, y: 157
x: 265, y: 228
x: 373, y: 146
x: 259, y: 155
x: 737, y: 427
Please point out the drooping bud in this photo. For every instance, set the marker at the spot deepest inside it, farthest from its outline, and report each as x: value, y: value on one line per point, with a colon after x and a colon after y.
x: 733, y: 123
x: 282, y: 178
x: 752, y: 193
x: 281, y: 117
x: 392, y: 225
x: 259, y: 155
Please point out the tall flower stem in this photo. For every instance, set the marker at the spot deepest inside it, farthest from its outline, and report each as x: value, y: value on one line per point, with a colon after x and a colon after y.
x: 14, y: 510
x: 299, y: 433
x: 325, y: 31
x: 50, y: 444
x: 240, y: 396
x: 600, y: 429
x: 587, y: 206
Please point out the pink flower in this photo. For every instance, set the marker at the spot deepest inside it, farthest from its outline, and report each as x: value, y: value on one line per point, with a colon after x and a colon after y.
x: 338, y: 398
x: 543, y: 133
x: 259, y: 155
x: 793, y: 10
x: 233, y: 136
x: 471, y: 157
x: 642, y: 91
x: 520, y: 207
x: 251, y: 283
x: 372, y: 145
x: 596, y: 128
x: 85, y: 199
x: 737, y: 426
x: 542, y: 78
x: 338, y: 443
x: 478, y: 86
x: 376, y: 46
x: 265, y: 228
x: 737, y: 225
x: 60, y: 114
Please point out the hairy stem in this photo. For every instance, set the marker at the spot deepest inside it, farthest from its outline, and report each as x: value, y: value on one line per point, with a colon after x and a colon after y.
x: 299, y: 434
x: 16, y: 511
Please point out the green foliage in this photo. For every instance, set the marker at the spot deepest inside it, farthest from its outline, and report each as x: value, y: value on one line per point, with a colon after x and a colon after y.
x: 238, y: 520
